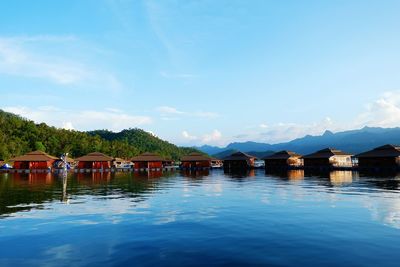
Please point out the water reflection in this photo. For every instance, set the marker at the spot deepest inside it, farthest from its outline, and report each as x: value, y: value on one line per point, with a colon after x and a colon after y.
x: 155, y: 218
x: 292, y: 175
x: 239, y: 174
x: 339, y: 178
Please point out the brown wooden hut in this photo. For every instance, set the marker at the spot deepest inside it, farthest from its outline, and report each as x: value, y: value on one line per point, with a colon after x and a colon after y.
x: 34, y: 160
x: 328, y: 158
x: 148, y: 161
x: 95, y: 160
x: 195, y: 160
x: 385, y: 157
x: 239, y: 161
x: 283, y: 160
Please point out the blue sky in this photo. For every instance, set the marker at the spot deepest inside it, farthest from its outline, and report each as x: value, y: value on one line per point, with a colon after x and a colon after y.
x: 196, y: 72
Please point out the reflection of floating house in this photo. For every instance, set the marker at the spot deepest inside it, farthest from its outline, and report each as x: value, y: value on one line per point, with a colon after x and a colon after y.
x: 338, y: 178
x: 239, y: 160
x: 95, y: 160
x: 328, y: 158
x: 384, y: 157
x: 195, y: 160
x: 34, y: 160
x: 149, y: 161
x: 283, y: 160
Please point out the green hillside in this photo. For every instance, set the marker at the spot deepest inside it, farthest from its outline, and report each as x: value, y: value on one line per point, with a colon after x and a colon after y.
x: 19, y: 136
x: 144, y: 141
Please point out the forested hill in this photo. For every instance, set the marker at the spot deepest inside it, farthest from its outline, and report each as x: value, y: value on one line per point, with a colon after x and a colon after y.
x: 144, y: 141
x: 19, y: 136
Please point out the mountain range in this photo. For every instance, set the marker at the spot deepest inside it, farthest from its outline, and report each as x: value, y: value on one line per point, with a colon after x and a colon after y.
x: 353, y: 141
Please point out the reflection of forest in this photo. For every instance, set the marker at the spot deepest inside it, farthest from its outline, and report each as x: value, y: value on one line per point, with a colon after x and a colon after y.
x: 20, y: 192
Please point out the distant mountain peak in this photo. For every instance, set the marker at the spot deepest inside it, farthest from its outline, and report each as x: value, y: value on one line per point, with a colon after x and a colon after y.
x: 328, y: 133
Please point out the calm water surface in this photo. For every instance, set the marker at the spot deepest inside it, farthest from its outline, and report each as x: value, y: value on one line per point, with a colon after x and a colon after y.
x: 200, y: 219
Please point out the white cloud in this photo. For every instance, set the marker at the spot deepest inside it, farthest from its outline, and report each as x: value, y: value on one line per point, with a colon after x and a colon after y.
x: 188, y: 137
x: 384, y: 112
x: 67, y: 126
x: 81, y: 120
x: 213, y: 137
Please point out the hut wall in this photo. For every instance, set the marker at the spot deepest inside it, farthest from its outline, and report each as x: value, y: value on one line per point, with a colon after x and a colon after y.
x: 196, y: 164
x: 237, y: 164
x: 340, y: 161
x: 40, y: 164
x: 20, y: 165
x: 379, y: 162
x: 94, y: 165
x: 101, y: 165
x: 321, y: 162
x: 146, y: 164
x: 276, y: 162
x: 34, y: 165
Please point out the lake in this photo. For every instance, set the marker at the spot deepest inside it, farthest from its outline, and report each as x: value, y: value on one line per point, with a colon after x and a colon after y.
x: 205, y: 218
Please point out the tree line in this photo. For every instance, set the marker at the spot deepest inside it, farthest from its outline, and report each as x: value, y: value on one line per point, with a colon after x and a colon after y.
x: 19, y: 136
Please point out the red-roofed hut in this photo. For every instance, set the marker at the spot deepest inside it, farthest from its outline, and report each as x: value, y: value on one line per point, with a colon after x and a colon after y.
x: 95, y: 160
x: 34, y: 160
x: 148, y: 161
x: 195, y: 160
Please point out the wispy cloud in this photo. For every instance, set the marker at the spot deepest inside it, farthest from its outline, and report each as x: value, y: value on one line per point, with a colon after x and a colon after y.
x: 16, y: 60
x: 40, y: 57
x: 169, y: 110
x: 172, y: 113
x: 111, y: 119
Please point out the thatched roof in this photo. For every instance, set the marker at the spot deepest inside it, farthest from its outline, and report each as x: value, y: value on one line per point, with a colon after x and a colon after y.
x: 145, y: 157
x: 95, y: 156
x: 283, y: 155
x: 381, y: 152
x: 35, y: 156
x: 326, y: 153
x: 239, y: 156
x: 195, y: 157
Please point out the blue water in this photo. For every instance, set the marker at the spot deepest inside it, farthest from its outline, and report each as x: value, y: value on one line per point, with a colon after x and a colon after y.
x: 200, y: 219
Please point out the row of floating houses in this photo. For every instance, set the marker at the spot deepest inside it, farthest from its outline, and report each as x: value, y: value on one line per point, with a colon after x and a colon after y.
x: 385, y: 157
